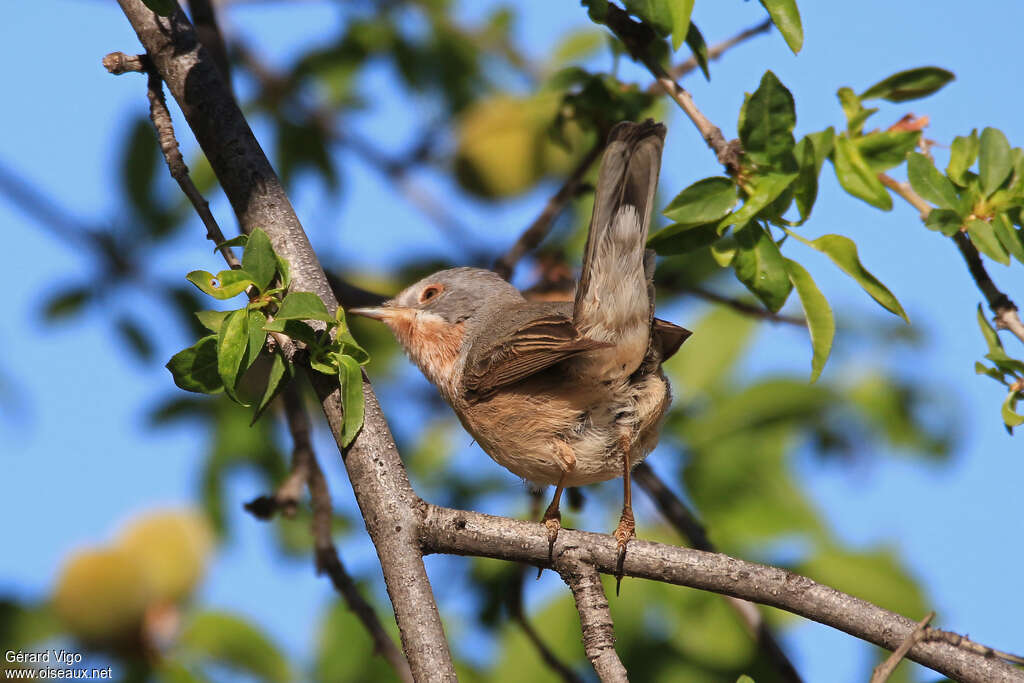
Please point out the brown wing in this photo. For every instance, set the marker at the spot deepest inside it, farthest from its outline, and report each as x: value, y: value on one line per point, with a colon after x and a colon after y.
x: 522, y: 346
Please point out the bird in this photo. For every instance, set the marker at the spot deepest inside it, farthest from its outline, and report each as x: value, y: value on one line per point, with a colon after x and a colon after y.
x: 560, y: 393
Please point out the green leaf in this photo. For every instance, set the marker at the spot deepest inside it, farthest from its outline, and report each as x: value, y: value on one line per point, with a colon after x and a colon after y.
x: 882, y: 150
x: 843, y: 253
x: 811, y: 152
x: 346, y: 342
x: 763, y: 190
x: 909, y: 85
x: 657, y: 13
x: 67, y: 302
x: 856, y: 176
x: 212, y: 320
x: 695, y: 41
x: 259, y: 259
x: 766, y: 125
x: 946, y: 221
x: 237, y: 241
x: 231, y: 345
x: 983, y: 236
x: 962, y: 155
x: 724, y: 251
x: 820, y: 321
x: 680, y: 10
x: 1008, y: 236
x: 994, y: 373
x: 760, y: 267
x: 786, y: 18
x: 994, y: 160
x: 991, y: 337
x: 854, y: 110
x: 226, y: 284
x: 195, y: 368
x: 704, y: 201
x: 682, y: 239
x: 285, y: 270
x: 745, y: 679
x: 350, y: 375
x: 930, y: 184
x: 296, y: 329
x: 228, y: 640
x: 280, y: 374
x: 1010, y: 418
x: 303, y: 306
x: 164, y: 8
x: 257, y: 336
x: 1005, y: 363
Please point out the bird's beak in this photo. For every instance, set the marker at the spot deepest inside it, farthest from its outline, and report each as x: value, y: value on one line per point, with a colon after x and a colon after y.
x: 384, y: 312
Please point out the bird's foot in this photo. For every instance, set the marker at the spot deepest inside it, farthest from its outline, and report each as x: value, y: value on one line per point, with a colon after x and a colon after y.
x: 623, y: 534
x: 553, y: 521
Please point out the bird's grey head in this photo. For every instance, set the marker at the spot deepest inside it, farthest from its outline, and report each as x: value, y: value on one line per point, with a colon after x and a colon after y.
x: 455, y: 295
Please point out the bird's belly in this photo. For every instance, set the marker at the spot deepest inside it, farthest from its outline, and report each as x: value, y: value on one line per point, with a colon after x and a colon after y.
x: 541, y: 432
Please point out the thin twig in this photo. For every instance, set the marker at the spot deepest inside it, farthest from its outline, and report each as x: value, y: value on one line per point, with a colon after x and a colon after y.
x: 745, y: 308
x: 638, y: 38
x: 715, y: 52
x: 1006, y: 316
x: 306, y: 473
x: 885, y: 669
x: 965, y: 643
x: 541, y: 225
x: 595, y: 618
x: 686, y: 523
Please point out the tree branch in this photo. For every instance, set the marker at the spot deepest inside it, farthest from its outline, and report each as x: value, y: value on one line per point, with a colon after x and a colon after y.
x: 686, y: 523
x: 462, y: 532
x: 258, y: 198
x: 884, y: 670
x: 595, y: 617
x: 1006, y: 317
x: 716, y: 51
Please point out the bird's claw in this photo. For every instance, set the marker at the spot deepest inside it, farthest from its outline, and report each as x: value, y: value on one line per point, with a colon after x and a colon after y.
x: 623, y: 534
x: 553, y: 522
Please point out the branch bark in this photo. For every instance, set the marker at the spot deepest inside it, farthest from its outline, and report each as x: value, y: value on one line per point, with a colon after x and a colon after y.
x: 382, y: 489
x: 462, y: 532
x: 595, y: 618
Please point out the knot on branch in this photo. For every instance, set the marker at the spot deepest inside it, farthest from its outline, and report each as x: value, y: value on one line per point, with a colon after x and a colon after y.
x: 119, y: 63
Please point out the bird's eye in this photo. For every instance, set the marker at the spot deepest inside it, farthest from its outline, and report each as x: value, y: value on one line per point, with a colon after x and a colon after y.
x: 429, y: 293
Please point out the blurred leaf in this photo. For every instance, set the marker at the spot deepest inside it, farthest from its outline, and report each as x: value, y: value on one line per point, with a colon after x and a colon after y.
x: 680, y: 238
x: 710, y: 358
x: 930, y: 184
x: 994, y: 161
x: 892, y: 408
x: 946, y: 221
x: 1008, y: 236
x: 212, y: 320
x: 226, y: 284
x: 699, y: 47
x: 962, y: 155
x: 983, y: 236
x: 140, y: 163
x: 195, y: 368
x: 762, y: 191
x: 786, y: 18
x: 232, y: 342
x: 356, y: 661
x: 820, y: 322
x: 874, y: 575
x: 843, y: 253
x: 303, y: 306
x: 164, y: 8
x: 66, y: 302
x: 760, y: 267
x: 576, y: 46
x: 135, y: 337
x: 856, y: 176
x: 854, y: 111
x: 704, y: 201
x: 259, y: 260
x: 23, y: 625
x: 909, y: 85
x: 991, y: 337
x: 229, y: 640
x: 350, y: 375
x: 766, y: 125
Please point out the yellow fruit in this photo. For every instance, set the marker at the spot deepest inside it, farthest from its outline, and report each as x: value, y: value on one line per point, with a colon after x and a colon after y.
x: 503, y: 147
x: 102, y: 595
x: 173, y: 546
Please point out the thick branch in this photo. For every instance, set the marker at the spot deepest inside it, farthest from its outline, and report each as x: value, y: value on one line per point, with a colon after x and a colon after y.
x: 1006, y: 317
x: 475, y: 534
x: 595, y: 617
x: 259, y: 200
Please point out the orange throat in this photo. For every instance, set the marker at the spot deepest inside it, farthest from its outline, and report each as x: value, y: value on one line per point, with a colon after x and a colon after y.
x: 432, y: 344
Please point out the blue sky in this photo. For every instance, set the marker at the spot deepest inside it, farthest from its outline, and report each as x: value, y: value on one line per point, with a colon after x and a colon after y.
x: 78, y: 457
